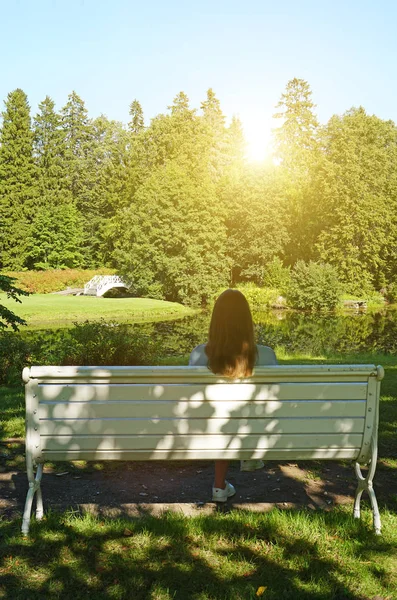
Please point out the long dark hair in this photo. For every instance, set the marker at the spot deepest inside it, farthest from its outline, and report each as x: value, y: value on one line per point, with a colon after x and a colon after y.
x: 231, y: 347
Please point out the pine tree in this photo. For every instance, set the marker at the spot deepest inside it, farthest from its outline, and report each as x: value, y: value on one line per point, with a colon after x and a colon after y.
x: 136, y: 123
x: 235, y: 141
x: 180, y: 105
x: 17, y: 181
x: 296, y: 146
x: 298, y: 132
x: 212, y: 112
x: 56, y: 229
x: 82, y: 177
x: 50, y: 152
x: 78, y: 137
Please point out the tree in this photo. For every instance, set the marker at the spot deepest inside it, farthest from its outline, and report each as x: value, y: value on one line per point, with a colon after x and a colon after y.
x: 7, y: 317
x: 56, y: 238
x: 212, y: 112
x: 256, y: 221
x: 171, y: 242
x: 214, y: 119
x: 136, y: 123
x: 297, y: 147
x: 50, y: 151
x: 18, y: 188
x: 357, y: 191
x: 82, y: 172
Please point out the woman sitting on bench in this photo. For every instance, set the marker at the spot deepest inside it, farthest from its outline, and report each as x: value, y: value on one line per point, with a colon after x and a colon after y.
x: 231, y: 351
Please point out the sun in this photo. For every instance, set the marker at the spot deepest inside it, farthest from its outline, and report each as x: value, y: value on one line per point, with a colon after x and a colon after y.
x: 258, y: 137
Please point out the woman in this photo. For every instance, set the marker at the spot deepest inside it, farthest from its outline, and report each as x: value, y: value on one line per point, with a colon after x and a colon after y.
x: 231, y: 351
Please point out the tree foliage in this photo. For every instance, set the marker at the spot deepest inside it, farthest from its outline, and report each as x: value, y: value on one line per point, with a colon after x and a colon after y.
x: 18, y: 183
x: 176, y: 207
x: 314, y: 286
x: 7, y: 317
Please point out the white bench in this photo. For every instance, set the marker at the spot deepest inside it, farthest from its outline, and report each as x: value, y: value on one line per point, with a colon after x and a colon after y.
x: 175, y: 413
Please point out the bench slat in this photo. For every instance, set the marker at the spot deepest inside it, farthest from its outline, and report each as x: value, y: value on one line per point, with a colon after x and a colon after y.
x: 111, y: 392
x: 193, y: 441
x: 153, y: 426
x: 185, y: 454
x: 166, y: 409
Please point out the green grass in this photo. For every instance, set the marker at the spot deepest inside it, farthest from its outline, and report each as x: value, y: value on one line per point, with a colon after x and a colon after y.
x: 299, y: 555
x: 293, y: 554
x: 53, y: 311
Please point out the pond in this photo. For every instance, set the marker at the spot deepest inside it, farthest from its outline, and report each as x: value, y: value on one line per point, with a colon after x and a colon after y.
x: 296, y: 333
x: 290, y: 334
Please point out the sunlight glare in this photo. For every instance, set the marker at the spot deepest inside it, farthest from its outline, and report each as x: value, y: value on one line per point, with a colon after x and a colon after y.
x: 259, y: 141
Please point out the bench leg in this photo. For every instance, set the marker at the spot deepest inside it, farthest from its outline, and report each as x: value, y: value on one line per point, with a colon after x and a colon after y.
x: 34, y: 486
x: 365, y: 484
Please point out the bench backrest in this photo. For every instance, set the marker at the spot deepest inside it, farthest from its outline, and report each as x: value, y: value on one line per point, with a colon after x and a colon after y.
x: 141, y: 413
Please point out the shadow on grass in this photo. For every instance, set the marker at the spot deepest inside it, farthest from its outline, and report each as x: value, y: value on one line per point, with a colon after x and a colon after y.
x: 217, y: 557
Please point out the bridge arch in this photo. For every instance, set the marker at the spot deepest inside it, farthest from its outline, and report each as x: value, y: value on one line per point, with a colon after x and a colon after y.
x: 100, y: 284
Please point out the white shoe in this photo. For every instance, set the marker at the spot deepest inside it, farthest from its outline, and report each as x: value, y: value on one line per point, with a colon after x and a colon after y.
x: 220, y: 495
x: 251, y: 465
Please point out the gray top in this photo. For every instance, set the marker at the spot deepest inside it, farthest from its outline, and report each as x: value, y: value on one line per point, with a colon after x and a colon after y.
x: 266, y: 356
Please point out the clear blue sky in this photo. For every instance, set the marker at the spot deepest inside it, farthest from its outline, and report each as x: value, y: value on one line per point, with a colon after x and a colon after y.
x: 112, y: 51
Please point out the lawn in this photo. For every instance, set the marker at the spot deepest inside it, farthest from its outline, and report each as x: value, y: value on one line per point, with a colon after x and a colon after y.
x: 284, y: 554
x: 55, y: 311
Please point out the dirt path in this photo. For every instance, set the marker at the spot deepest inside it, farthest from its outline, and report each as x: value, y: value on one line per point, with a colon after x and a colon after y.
x: 133, y: 488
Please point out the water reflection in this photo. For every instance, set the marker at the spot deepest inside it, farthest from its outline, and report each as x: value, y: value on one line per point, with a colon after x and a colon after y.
x: 296, y: 332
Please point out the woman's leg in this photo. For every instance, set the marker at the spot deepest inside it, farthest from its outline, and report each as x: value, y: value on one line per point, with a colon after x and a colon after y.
x: 221, y: 467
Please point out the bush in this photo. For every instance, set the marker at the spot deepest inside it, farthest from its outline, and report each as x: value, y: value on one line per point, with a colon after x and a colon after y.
x: 314, y: 286
x: 14, y: 356
x: 45, y: 282
x: 258, y: 298
x: 91, y: 343
x: 277, y: 276
x: 106, y: 343
x: 391, y: 292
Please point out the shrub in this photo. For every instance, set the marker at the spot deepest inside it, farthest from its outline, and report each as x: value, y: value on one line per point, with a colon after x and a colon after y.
x: 277, y: 276
x: 14, y: 356
x: 45, y: 282
x: 107, y: 343
x: 314, y: 286
x: 259, y: 298
x: 391, y: 292
x: 91, y: 343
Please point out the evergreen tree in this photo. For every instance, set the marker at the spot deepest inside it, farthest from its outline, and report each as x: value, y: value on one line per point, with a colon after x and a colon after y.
x: 78, y: 140
x: 136, y: 123
x: 82, y: 172
x: 56, y: 238
x: 108, y: 161
x: 180, y: 105
x: 235, y: 141
x: 296, y: 146
x: 56, y: 230
x: 218, y: 136
x: 50, y: 151
x: 212, y: 112
x: 256, y: 221
x: 17, y: 181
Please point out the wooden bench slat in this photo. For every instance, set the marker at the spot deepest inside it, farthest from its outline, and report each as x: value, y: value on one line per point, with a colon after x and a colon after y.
x: 71, y: 427
x: 194, y: 441
x: 113, y: 392
x: 154, y: 409
x: 185, y: 454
